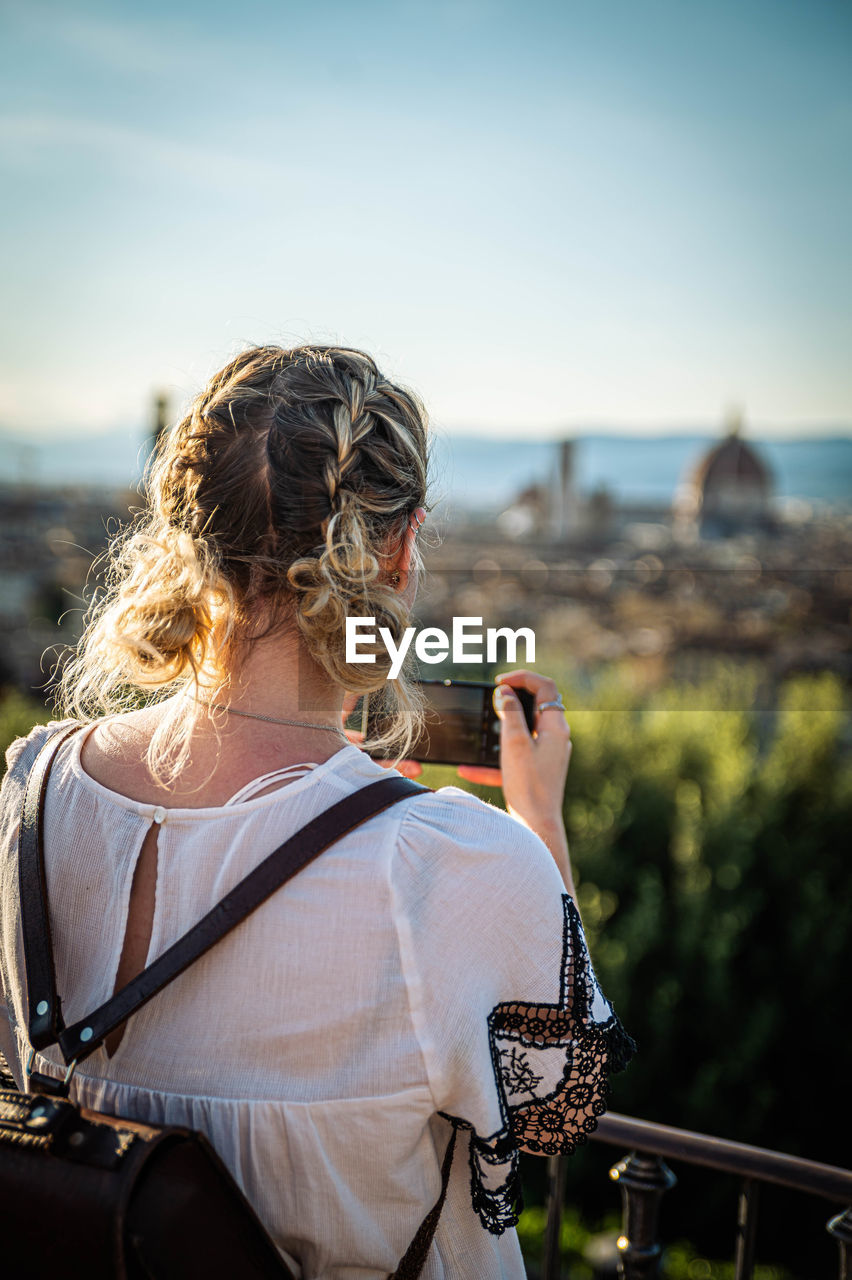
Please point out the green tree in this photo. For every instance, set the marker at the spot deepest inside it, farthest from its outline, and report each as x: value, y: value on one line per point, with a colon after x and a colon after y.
x: 711, y: 851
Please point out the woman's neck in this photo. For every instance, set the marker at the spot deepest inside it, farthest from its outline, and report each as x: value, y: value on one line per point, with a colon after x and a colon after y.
x: 275, y: 679
x: 278, y: 679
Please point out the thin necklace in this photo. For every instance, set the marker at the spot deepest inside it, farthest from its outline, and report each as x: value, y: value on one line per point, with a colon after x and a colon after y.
x: 255, y: 715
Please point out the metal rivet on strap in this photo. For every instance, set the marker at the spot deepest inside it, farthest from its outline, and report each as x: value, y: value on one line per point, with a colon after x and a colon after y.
x: 86, y: 1034
x: 42, y: 1007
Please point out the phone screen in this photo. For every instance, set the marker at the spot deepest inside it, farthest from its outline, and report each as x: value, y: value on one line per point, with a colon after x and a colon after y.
x: 456, y: 726
x: 461, y: 726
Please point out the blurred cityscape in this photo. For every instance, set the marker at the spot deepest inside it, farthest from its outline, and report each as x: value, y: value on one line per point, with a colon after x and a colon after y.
x: 666, y: 587
x: 720, y: 569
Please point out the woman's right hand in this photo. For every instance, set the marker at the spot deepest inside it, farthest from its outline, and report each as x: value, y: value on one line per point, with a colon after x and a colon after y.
x: 532, y: 770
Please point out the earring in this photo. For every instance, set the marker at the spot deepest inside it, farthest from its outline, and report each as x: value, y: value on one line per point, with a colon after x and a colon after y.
x: 395, y: 578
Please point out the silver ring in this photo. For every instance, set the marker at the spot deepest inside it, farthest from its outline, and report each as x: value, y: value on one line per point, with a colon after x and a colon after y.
x: 557, y: 702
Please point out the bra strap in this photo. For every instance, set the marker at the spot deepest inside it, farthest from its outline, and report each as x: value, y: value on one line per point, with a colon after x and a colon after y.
x: 250, y: 790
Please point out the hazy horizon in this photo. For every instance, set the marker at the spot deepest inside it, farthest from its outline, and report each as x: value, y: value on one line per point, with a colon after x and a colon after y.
x: 800, y: 433
x: 478, y: 472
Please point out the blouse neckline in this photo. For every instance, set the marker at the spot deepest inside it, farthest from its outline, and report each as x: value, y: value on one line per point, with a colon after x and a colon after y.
x: 346, y: 755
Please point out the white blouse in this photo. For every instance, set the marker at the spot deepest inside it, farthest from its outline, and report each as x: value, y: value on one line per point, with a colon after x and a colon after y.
x: 426, y: 970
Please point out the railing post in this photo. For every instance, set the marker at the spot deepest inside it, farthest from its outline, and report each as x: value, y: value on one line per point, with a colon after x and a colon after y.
x: 746, y: 1229
x: 556, y: 1170
x: 841, y: 1228
x: 643, y: 1181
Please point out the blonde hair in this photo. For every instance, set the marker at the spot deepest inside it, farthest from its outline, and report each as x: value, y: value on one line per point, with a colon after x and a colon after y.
x: 275, y: 499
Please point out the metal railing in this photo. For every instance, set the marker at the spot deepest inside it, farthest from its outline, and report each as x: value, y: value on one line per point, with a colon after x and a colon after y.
x: 644, y: 1178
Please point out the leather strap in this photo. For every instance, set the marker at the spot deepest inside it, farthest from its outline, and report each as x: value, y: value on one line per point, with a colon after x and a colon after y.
x: 44, y: 1013
x: 415, y: 1255
x: 77, y: 1042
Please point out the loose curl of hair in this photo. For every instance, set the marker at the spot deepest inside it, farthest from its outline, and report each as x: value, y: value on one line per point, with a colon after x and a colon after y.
x: 273, y: 501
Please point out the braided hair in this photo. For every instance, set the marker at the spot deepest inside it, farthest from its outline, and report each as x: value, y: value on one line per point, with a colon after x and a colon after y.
x: 273, y: 502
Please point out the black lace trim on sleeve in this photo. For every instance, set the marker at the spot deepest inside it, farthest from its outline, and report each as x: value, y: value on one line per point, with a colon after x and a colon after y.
x: 551, y: 1064
x: 495, y: 1187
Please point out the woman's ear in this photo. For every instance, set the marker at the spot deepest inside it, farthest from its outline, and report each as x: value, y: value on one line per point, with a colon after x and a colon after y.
x: 401, y: 562
x: 406, y: 552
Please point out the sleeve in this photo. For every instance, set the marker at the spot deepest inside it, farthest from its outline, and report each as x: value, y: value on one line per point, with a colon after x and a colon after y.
x: 14, y: 753
x: 25, y: 750
x: 517, y: 1036
x: 20, y: 757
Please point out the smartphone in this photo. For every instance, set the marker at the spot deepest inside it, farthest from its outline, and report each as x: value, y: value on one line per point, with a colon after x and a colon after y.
x: 461, y: 725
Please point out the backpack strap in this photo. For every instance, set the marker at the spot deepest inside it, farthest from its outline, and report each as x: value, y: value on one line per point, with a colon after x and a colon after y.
x: 415, y: 1255
x: 77, y: 1042
x: 44, y: 1013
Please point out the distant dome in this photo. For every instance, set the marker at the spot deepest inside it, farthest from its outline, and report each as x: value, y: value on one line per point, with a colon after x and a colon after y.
x: 731, y: 464
x: 729, y: 488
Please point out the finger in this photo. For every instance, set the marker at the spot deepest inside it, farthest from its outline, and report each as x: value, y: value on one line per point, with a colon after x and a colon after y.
x: 551, y: 722
x: 483, y: 775
x: 510, y: 712
x: 542, y: 687
x: 552, y: 731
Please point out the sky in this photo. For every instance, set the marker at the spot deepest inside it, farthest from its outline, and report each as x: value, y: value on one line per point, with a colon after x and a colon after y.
x: 591, y: 213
